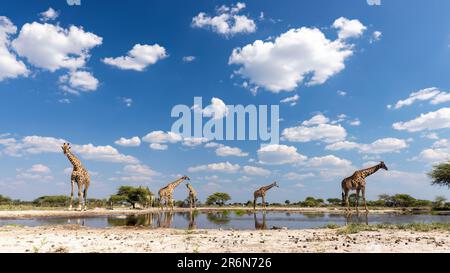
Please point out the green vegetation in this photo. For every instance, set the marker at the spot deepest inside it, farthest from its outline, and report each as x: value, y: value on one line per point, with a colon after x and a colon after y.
x: 240, y: 212
x: 52, y: 201
x: 142, y: 197
x: 420, y: 227
x: 218, y: 198
x: 133, y: 196
x: 4, y: 200
x: 334, y: 201
x: 441, y: 174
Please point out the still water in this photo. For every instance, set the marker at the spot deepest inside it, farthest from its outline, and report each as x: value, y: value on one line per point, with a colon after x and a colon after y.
x: 229, y: 220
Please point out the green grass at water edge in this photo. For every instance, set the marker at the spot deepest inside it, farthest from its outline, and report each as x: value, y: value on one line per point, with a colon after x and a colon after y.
x: 420, y: 227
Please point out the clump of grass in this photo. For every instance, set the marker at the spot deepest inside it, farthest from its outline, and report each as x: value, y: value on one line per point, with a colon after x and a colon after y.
x: 419, y: 227
x: 332, y: 226
x: 13, y: 225
x: 239, y: 212
x: 424, y: 227
x: 356, y: 228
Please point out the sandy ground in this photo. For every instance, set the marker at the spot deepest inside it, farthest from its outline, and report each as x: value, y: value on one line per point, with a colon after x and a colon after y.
x: 100, y: 212
x: 78, y: 239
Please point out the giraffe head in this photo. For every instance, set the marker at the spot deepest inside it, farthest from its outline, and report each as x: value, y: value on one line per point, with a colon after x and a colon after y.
x: 383, y: 166
x: 275, y: 184
x: 66, y: 148
x: 186, y: 177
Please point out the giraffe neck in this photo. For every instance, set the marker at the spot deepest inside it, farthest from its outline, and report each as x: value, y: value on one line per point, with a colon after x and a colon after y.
x: 191, y: 189
x: 370, y: 171
x: 73, y: 159
x: 266, y: 188
x: 176, y: 183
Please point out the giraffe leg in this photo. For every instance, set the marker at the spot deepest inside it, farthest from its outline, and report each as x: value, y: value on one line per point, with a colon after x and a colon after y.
x: 347, y: 202
x: 357, y: 201
x: 80, y: 196
x: 85, y: 197
x: 363, y: 191
x: 71, y: 195
x: 264, y: 202
x: 171, y: 201
x: 254, y: 203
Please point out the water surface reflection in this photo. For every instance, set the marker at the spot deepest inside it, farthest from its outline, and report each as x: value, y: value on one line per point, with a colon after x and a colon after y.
x: 230, y: 220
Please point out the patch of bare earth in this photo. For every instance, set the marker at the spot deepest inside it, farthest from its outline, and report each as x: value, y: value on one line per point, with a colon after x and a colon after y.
x: 78, y: 239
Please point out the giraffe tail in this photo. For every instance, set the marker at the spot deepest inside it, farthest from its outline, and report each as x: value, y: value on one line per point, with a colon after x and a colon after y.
x: 343, y: 197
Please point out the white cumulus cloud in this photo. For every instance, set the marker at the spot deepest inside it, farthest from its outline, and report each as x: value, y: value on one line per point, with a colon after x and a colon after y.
x: 129, y: 142
x: 225, y: 151
x: 432, y: 94
x: 217, y: 109
x: 380, y: 146
x: 439, y: 119
x: 52, y: 47
x: 275, y: 154
x: 10, y: 67
x: 283, y: 64
x: 49, y: 15
x: 292, y: 101
x: 224, y: 167
x: 138, y: 58
x: 76, y: 81
x: 315, y: 129
x: 256, y: 171
x: 349, y: 28
x: 227, y: 21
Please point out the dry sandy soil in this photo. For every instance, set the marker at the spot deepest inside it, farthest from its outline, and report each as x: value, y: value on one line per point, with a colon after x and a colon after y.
x: 78, y: 239
x: 74, y: 238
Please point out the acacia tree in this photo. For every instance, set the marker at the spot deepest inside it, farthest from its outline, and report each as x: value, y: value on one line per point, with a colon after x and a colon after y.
x: 218, y: 198
x: 132, y: 195
x: 441, y: 174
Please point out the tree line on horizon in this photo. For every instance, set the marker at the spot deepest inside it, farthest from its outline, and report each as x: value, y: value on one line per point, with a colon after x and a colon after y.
x: 143, y: 197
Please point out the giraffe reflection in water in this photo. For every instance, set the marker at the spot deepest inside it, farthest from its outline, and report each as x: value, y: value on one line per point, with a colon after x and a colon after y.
x: 260, y: 225
x: 357, y: 219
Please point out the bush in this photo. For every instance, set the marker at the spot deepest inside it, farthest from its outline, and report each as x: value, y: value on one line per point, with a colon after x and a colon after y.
x: 4, y: 200
x: 312, y: 202
x: 132, y: 195
x: 218, y: 198
x: 52, y: 201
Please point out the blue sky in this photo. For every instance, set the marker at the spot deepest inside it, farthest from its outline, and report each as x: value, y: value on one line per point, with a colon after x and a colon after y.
x: 360, y: 83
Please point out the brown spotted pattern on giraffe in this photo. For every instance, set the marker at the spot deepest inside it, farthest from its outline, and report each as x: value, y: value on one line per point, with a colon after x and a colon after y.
x: 357, y: 182
x: 79, y: 176
x: 262, y: 193
x: 166, y: 193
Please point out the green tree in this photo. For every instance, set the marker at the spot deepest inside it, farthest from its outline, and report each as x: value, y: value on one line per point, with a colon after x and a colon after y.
x: 52, y: 201
x: 4, y: 200
x: 132, y: 195
x: 439, y: 202
x: 312, y: 202
x: 287, y: 202
x: 218, y: 198
x: 403, y: 200
x: 334, y: 201
x: 117, y: 199
x: 441, y: 174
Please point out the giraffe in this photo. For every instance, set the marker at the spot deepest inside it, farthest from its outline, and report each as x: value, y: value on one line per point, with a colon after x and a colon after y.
x: 80, y: 176
x: 262, y: 193
x: 192, y: 196
x: 358, y: 182
x: 166, y: 193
